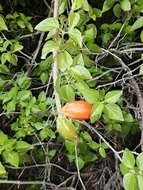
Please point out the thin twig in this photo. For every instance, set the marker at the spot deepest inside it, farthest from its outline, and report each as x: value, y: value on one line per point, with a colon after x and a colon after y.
x: 55, y: 68
x: 77, y: 165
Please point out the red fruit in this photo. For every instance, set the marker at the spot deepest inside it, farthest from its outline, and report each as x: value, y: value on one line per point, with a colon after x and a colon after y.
x: 79, y: 110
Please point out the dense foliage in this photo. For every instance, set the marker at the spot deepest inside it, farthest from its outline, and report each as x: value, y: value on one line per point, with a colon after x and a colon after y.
x: 62, y: 51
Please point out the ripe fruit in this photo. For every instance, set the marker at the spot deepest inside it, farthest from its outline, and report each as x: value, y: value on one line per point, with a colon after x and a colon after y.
x: 66, y: 128
x: 79, y: 110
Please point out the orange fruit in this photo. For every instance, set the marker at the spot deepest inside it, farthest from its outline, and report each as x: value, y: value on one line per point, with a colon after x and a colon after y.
x: 79, y: 110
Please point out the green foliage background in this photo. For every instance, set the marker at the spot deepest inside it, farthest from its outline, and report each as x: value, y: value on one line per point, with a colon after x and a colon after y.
x: 99, y: 57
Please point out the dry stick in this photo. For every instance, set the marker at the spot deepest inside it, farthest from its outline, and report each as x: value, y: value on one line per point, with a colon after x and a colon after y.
x: 77, y: 165
x: 18, y: 182
x: 137, y: 89
x: 55, y: 68
x: 119, y: 33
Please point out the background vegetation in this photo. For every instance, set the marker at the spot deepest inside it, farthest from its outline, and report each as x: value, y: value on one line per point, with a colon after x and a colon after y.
x: 54, y: 52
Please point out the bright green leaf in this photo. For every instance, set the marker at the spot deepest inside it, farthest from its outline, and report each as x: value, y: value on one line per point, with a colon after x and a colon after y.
x: 140, y: 181
x: 139, y: 161
x: 80, y: 72
x: 3, y: 138
x: 48, y: 47
x: 138, y: 24
x: 77, y: 4
x: 96, y: 111
x: 2, y: 24
x: 108, y: 4
x: 23, y: 146
x: 46, y: 132
x: 117, y: 10
x: 141, y: 36
x: 64, y: 60
x: 11, y: 157
x: 125, y: 5
x: 70, y: 146
x: 67, y: 93
x: 128, y: 159
x: 129, y: 181
x: 124, y: 169
x: 73, y: 19
x: 48, y: 24
x: 102, y: 152
x: 78, y: 60
x: 44, y: 77
x: 86, y: 136
x: 75, y: 35
x: 81, y: 162
x: 141, y: 70
x: 2, y: 170
x: 114, y: 112
x: 113, y: 96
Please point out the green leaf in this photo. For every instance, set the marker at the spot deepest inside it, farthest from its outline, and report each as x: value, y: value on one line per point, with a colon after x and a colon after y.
x: 75, y: 35
x: 13, y: 59
x: 114, y: 112
x: 141, y: 36
x: 139, y: 161
x: 90, y: 33
x: 128, y: 117
x: 78, y: 60
x: 4, y: 68
x: 113, y: 96
x: 24, y: 95
x: 108, y: 4
x: 125, y: 5
x: 93, y: 145
x: 117, y: 10
x: 81, y: 162
x: 73, y: 19
x: 140, y: 181
x: 86, y: 136
x: 11, y: 157
x: 124, y: 169
x: 96, y: 111
x: 129, y: 181
x: 3, y: 138
x: 22, y: 146
x: 102, y: 152
x: 48, y: 47
x: 67, y: 93
x: 2, y: 170
x: 51, y: 153
x: 47, y: 25
x: 128, y: 159
x: 64, y: 60
x: 16, y: 47
x: 2, y: 24
x: 9, y: 144
x: 5, y: 57
x: 85, y: 5
x: 46, y: 132
x: 62, y: 6
x: 70, y: 146
x: 90, y: 95
x: 38, y: 125
x: 141, y: 70
x: 138, y: 24
x: 23, y: 81
x: 77, y: 4
x: 80, y: 72
x: 44, y: 77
